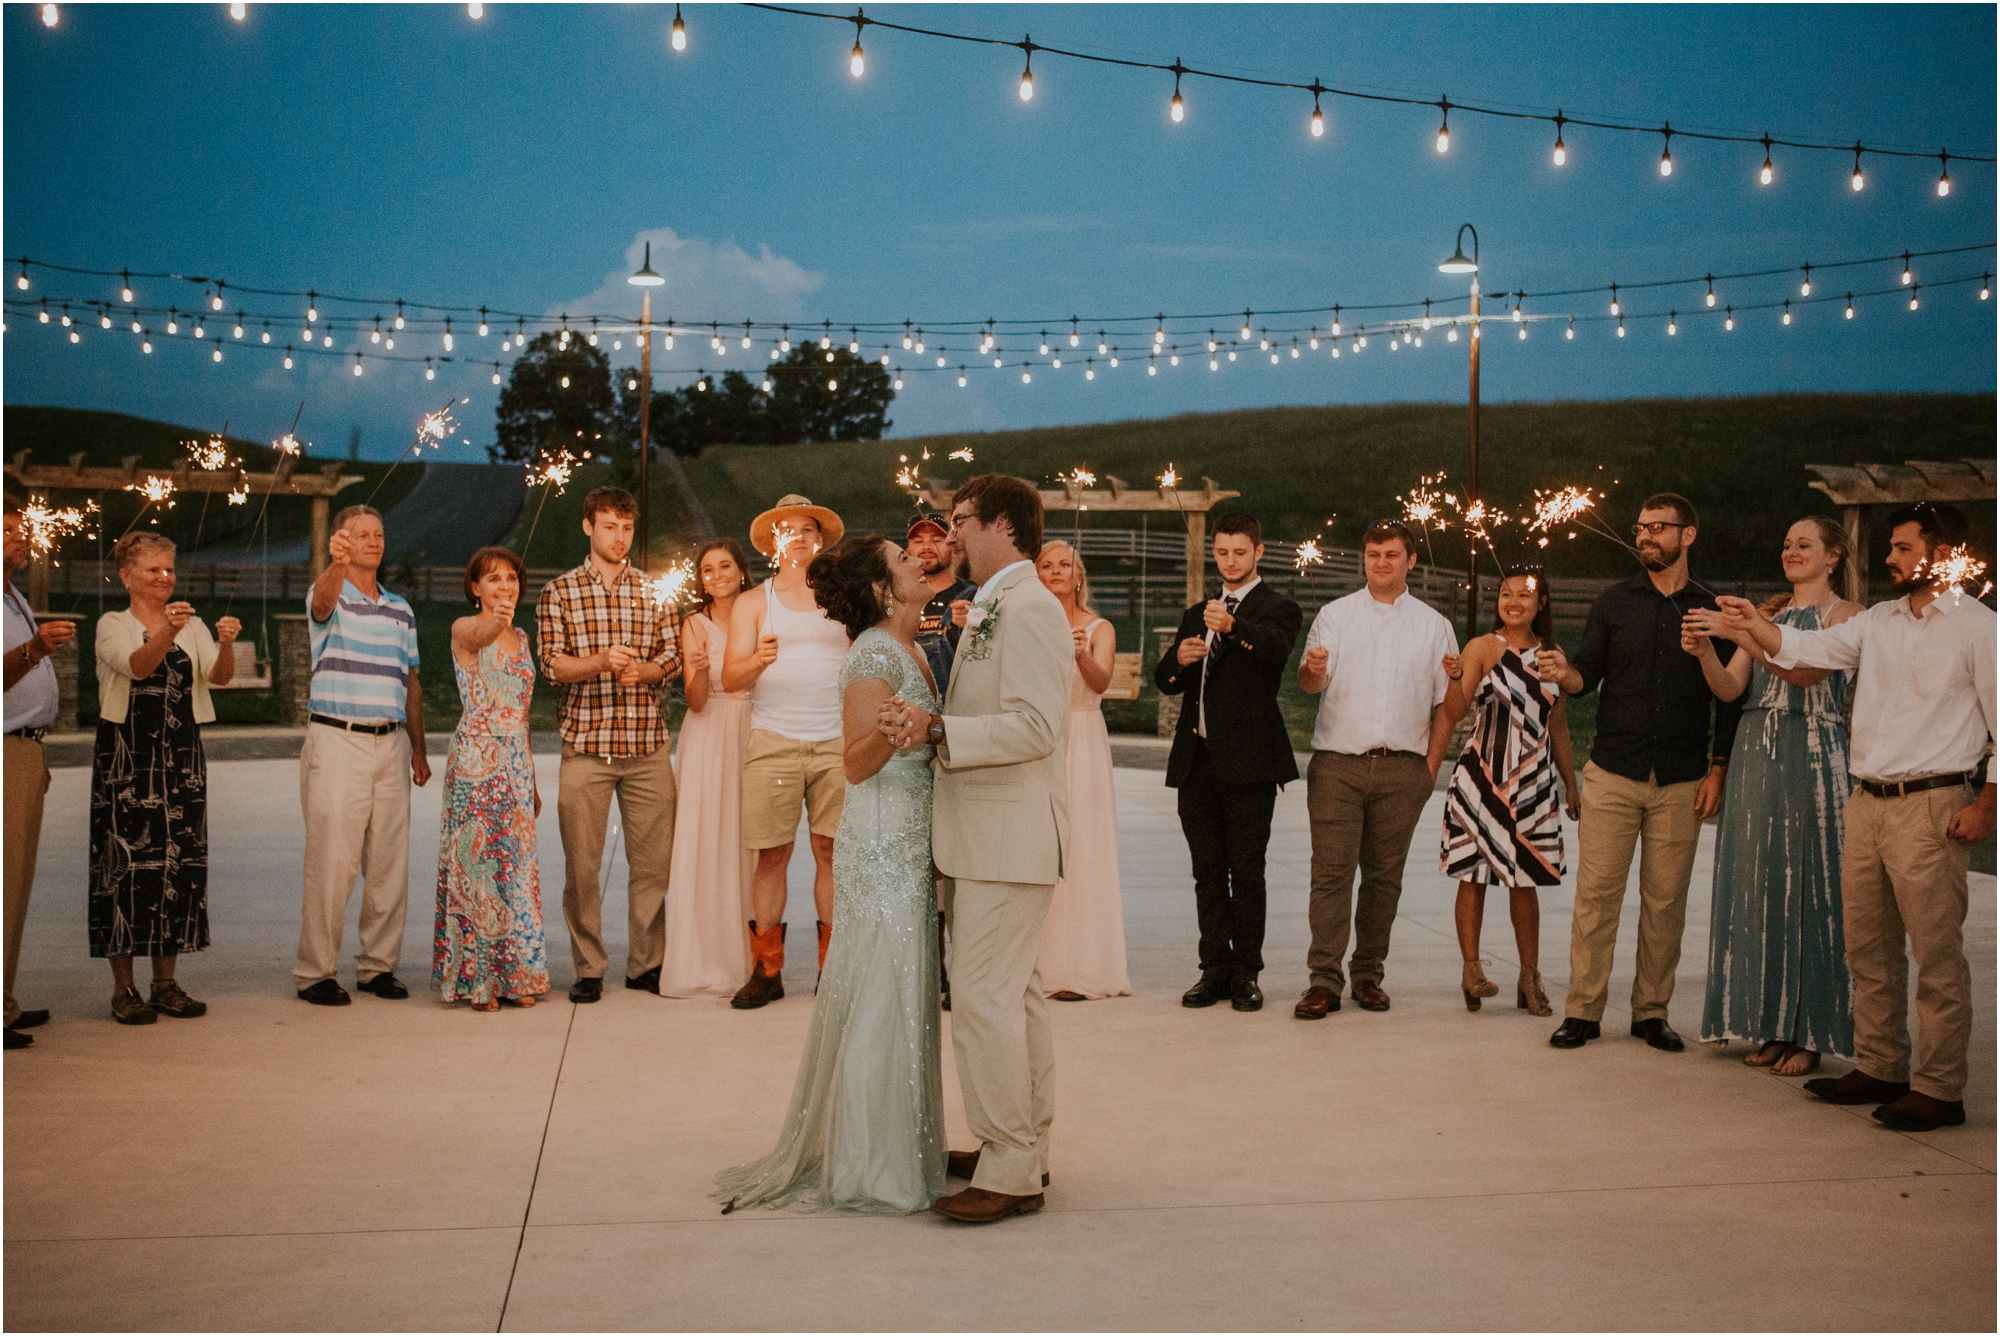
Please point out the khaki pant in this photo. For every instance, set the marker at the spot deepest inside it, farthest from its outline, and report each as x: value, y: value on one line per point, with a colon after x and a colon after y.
x: 1000, y: 1029
x: 26, y: 778
x: 1618, y: 815
x: 1364, y: 809
x: 647, y: 794
x: 1901, y: 875
x: 355, y: 791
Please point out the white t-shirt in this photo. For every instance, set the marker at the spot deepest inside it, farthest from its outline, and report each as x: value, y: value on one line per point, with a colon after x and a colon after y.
x: 1384, y: 671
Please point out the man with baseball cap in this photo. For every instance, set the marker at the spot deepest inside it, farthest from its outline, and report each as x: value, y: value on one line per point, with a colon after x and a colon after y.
x: 786, y: 652
x: 929, y: 541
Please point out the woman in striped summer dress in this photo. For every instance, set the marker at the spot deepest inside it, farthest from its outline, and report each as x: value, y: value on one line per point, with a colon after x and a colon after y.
x: 1503, y: 812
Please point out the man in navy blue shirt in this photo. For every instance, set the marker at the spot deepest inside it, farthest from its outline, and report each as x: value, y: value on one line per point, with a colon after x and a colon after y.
x: 1655, y: 774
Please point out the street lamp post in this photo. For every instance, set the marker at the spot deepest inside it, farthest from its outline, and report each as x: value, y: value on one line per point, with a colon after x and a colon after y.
x: 646, y: 280
x: 1459, y: 264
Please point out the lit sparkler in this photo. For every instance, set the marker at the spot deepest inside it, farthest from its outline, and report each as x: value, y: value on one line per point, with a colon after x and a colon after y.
x: 1955, y: 568
x: 1425, y: 506
x: 155, y: 489
x: 436, y: 428
x: 906, y: 476
x: 46, y: 526
x: 964, y: 456
x: 553, y: 470
x: 1308, y: 555
x: 1082, y: 477
x: 288, y: 446
x: 1565, y: 505
x: 240, y: 494
x: 674, y: 588
x: 1170, y: 479
x: 210, y: 456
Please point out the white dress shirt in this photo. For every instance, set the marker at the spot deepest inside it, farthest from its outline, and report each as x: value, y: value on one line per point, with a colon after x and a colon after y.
x: 1923, y: 687
x: 1235, y: 598
x: 31, y: 702
x: 1385, y: 673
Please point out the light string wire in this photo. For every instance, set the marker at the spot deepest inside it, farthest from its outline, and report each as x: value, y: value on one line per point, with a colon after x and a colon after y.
x: 1181, y: 70
x: 588, y: 326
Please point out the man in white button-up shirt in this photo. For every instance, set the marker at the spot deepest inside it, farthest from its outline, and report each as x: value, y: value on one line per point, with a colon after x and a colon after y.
x: 1923, y: 720
x: 1377, y: 655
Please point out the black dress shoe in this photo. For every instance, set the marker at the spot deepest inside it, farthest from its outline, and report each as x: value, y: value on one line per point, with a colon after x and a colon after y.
x: 1211, y: 989
x: 29, y: 1020
x: 586, y: 990
x: 649, y: 982
x: 17, y: 1040
x: 1659, y: 1034
x: 1857, y: 1087
x: 1246, y: 996
x: 1918, y: 1112
x: 325, y: 993
x: 385, y: 986
x: 1574, y: 1033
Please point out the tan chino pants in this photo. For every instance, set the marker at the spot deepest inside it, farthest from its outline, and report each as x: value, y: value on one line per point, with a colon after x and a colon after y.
x: 1000, y: 1029
x: 1901, y: 875
x: 26, y: 777
x: 355, y: 791
x: 647, y: 794
x: 1619, y: 816
x: 1364, y: 811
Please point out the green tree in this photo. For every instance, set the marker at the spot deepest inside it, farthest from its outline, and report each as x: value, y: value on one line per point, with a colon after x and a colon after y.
x: 733, y: 409
x: 555, y: 393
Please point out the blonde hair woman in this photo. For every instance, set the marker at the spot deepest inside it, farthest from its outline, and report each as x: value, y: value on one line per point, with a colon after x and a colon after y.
x: 1083, y: 937
x: 149, y: 780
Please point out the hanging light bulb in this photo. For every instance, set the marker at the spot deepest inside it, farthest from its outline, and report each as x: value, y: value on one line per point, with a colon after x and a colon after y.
x: 1856, y: 180
x: 1850, y: 306
x: 1710, y: 299
x: 399, y: 316
x: 1444, y: 128
x: 49, y: 16
x: 1667, y: 153
x: 1318, y: 122
x: 1522, y: 333
x: 288, y: 357
x: 1028, y: 74
x: 1673, y: 327
x: 1614, y: 300
x: 1944, y: 175
x: 217, y: 354
x: 1805, y: 284
x: 1045, y: 343
x: 1621, y: 327
x: 173, y: 326
x: 856, y: 62
x: 238, y: 10
x: 1451, y: 335
x: 1214, y: 365
x: 475, y: 11
x: 1729, y: 317
x: 135, y: 327
x: 1561, y: 154
x: 236, y: 333
x: 482, y: 322
x: 125, y: 291
x: 1764, y: 173
x: 146, y: 346
x: 679, y: 32
x: 1177, y: 109
x: 1246, y: 325
x: 1985, y: 286
x: 21, y: 279
x: 1570, y: 333
x: 1908, y: 277
x: 357, y: 364
x: 266, y: 336
x: 940, y: 361
x: 1913, y: 296
x: 215, y: 302
x: 430, y: 372
x: 1786, y: 318
x: 496, y: 377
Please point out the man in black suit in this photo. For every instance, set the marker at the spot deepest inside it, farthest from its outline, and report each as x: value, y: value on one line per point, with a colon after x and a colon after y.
x: 1231, y: 754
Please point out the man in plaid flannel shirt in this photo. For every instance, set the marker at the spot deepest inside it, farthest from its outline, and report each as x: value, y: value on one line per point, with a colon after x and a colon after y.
x: 611, y: 649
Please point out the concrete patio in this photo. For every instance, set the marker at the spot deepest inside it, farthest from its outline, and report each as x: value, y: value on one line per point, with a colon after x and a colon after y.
x: 408, y: 1166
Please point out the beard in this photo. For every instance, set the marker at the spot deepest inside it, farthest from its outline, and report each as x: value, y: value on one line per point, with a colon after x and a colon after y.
x: 964, y: 571
x: 1657, y: 558
x: 934, y: 564
x: 1916, y: 582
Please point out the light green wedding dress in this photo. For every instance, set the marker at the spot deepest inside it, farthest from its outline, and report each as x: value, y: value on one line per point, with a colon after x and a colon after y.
x: 865, y: 1133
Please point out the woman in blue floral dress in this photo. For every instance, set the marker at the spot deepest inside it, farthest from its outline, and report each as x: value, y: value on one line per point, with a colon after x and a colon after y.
x: 488, y: 947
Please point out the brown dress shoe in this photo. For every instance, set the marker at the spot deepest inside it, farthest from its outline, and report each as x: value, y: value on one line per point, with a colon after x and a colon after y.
x: 1316, y: 1002
x: 962, y: 1163
x: 1857, y: 1087
x: 977, y: 1206
x: 1918, y: 1112
x: 1368, y: 995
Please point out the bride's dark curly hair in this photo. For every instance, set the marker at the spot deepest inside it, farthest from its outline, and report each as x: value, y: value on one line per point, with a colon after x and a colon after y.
x: 845, y: 577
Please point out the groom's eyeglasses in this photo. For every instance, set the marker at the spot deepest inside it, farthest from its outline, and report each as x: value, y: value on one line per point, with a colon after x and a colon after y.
x: 957, y: 520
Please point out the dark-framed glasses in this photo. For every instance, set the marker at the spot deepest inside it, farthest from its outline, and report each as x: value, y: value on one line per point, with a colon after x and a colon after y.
x: 1656, y: 528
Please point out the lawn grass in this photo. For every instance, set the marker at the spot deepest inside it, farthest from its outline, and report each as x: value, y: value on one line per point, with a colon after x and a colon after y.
x: 108, y: 439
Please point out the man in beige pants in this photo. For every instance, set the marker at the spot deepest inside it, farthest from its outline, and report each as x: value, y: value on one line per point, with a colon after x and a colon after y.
x: 999, y: 824
x: 1923, y: 721
x: 364, y: 746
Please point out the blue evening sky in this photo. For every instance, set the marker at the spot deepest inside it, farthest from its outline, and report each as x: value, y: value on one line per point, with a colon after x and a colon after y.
x: 520, y: 159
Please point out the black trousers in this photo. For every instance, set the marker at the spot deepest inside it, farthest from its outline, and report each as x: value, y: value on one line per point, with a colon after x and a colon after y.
x: 1228, y: 827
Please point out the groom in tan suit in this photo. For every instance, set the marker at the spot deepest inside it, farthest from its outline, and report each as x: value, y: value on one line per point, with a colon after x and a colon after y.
x: 1000, y: 820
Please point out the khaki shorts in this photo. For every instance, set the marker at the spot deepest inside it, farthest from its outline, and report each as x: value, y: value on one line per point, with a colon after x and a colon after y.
x: 779, y: 775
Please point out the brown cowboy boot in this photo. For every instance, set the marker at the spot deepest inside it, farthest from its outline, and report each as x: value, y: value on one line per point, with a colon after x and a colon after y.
x: 825, y: 936
x: 767, y: 954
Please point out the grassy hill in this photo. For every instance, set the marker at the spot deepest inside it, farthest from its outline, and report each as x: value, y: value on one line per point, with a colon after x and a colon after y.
x: 106, y: 439
x: 1740, y: 460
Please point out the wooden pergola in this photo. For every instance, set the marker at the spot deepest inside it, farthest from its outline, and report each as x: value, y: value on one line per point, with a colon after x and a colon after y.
x: 285, y: 480
x: 1118, y: 495
x: 1864, y: 485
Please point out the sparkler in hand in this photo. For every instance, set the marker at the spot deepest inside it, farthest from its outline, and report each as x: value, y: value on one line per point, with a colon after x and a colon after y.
x: 1082, y: 477
x: 1170, y: 479
x: 1308, y: 555
x: 210, y: 456
x: 1955, y: 568
x: 964, y: 456
x: 553, y: 470
x: 674, y: 589
x: 1425, y: 506
x: 1564, y: 506
x: 46, y: 526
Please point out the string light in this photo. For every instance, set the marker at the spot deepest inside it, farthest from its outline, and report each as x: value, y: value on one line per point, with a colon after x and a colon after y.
x: 1787, y: 317
x: 1028, y: 73
x: 49, y: 16
x: 1561, y: 154
x: 1944, y: 175
x: 1914, y: 289
x: 1318, y: 122
x: 1805, y: 284
x: 125, y: 292
x: 856, y: 62
x: 679, y: 33
x: 1908, y: 277
x: 288, y: 357
x: 1673, y: 327
x: 238, y: 10
x: 1710, y: 299
x: 1614, y: 299
x: 1570, y: 333
x: 1764, y: 173
x: 482, y: 322
x: 1176, y: 108
x: 1444, y: 127
x: 475, y: 11
x: 1729, y: 317
x: 1985, y: 286
x: 1856, y: 180
x: 1667, y: 153
x: 1850, y: 306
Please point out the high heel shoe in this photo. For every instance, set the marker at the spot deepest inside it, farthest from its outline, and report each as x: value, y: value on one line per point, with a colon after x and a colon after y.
x: 1529, y: 997
x: 1475, y: 985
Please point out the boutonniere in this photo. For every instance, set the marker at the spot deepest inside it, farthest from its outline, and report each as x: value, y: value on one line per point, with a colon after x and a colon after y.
x: 981, y: 621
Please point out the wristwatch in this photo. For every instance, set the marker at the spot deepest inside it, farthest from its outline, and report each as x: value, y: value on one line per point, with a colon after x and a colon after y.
x: 935, y: 733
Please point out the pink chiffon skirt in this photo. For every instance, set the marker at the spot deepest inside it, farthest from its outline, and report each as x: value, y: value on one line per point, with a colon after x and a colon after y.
x: 708, y: 890
x: 1083, y: 938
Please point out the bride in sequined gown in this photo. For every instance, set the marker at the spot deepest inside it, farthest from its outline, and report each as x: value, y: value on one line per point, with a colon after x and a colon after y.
x: 865, y: 1130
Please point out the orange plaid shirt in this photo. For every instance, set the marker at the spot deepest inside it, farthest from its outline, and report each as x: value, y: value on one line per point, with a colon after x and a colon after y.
x: 579, y: 615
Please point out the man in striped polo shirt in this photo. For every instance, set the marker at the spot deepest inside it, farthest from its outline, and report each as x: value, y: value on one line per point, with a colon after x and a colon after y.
x: 364, y: 744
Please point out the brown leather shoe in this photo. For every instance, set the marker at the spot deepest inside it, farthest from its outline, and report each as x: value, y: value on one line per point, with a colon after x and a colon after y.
x: 1918, y: 1112
x: 977, y: 1206
x: 1857, y: 1087
x: 1316, y: 1002
x: 961, y: 1163
x: 1368, y: 995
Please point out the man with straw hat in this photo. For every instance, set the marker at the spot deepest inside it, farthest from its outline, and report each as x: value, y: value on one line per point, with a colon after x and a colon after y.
x: 787, y: 653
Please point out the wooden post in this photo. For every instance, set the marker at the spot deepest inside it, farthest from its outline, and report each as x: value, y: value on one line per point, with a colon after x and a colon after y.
x: 1197, y: 557
x: 1854, y: 580
x: 319, y: 537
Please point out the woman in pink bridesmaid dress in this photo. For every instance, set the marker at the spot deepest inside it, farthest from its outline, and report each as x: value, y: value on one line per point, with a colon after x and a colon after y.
x: 708, y: 895
x: 1083, y: 938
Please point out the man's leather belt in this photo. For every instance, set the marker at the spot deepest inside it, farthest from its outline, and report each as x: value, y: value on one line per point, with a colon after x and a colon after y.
x: 28, y: 734
x: 372, y: 730
x: 1910, y: 786
x: 1386, y: 751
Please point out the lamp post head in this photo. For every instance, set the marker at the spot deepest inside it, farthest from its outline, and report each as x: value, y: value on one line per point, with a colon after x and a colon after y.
x: 1458, y: 263
x: 646, y: 278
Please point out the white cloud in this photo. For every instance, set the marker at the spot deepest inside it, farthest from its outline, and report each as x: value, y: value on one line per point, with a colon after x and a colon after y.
x: 705, y: 280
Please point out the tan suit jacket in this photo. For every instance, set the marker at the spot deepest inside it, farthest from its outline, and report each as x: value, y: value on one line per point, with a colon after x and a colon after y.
x: 1000, y: 810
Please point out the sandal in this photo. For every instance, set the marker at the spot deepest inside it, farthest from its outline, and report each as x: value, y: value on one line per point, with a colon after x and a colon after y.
x: 128, y: 1008
x: 1767, y: 1056
x: 169, y: 1000
x: 492, y: 1005
x: 526, y: 1000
